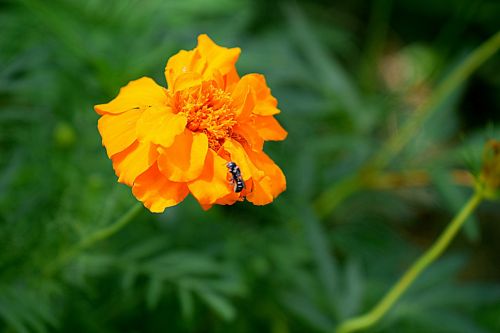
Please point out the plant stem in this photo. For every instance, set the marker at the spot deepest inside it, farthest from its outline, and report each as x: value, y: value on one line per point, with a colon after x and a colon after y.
x: 93, y: 238
x: 434, y: 252
x: 335, y: 194
x: 396, y: 143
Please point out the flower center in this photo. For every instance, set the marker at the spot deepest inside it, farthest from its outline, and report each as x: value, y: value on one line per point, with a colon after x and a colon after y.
x: 209, y: 110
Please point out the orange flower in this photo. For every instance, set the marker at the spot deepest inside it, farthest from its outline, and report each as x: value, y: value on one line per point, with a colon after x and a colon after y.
x: 166, y: 143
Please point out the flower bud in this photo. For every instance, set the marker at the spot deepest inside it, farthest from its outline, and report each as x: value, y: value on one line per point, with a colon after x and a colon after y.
x: 489, y: 178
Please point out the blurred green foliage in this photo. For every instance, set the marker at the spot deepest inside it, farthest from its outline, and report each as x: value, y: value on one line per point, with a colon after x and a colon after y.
x: 346, y: 75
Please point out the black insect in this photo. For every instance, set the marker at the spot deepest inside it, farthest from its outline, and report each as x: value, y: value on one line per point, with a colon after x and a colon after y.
x: 236, y: 178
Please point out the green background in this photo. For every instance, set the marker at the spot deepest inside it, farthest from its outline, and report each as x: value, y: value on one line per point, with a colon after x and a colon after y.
x: 346, y: 75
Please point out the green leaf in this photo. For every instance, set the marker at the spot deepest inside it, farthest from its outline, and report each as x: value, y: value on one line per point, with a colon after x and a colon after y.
x: 217, y: 303
x: 333, y: 79
x: 186, y: 301
x: 154, y: 292
x: 306, y: 309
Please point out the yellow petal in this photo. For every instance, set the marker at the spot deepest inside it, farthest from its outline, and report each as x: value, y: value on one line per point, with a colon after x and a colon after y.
x: 133, y: 161
x: 138, y: 94
x: 184, y: 160
x: 160, y: 126
x: 213, y: 182
x: 157, y: 192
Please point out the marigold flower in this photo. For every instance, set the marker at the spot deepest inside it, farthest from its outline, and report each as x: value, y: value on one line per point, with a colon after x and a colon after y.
x: 167, y: 143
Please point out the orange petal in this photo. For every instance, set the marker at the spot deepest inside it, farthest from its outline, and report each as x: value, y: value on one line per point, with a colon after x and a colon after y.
x: 243, y: 101
x: 138, y: 94
x: 118, y: 131
x: 231, y: 79
x: 240, y: 157
x: 218, y: 58
x: 160, y: 126
x: 186, y: 80
x: 271, y: 185
x: 183, y: 62
x: 229, y: 199
x: 206, y: 207
x: 248, y: 132
x: 184, y: 160
x: 265, y: 103
x: 261, y: 195
x: 157, y: 192
x: 269, y: 128
x: 213, y: 182
x: 133, y: 161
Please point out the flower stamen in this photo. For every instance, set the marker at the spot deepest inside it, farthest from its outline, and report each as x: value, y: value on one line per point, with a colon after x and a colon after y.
x: 209, y: 110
